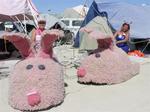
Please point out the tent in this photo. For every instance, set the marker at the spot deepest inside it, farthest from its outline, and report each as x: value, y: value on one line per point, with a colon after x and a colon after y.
x: 119, y: 12
x: 16, y: 10
x: 98, y: 23
x: 92, y: 13
x: 75, y: 12
x: 51, y: 20
x: 81, y: 9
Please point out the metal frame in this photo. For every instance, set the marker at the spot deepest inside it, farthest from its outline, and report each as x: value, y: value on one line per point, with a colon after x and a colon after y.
x: 146, y: 40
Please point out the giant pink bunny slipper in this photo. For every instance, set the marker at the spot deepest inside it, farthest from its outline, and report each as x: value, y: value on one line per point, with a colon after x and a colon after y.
x: 108, y: 64
x: 36, y: 83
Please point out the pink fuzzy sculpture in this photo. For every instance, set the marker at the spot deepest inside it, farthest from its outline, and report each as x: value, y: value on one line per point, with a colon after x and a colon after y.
x: 36, y: 82
x: 108, y: 64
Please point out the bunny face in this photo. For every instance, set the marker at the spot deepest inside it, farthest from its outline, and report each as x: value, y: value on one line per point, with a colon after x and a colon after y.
x: 108, y: 64
x: 107, y: 67
x: 36, y: 83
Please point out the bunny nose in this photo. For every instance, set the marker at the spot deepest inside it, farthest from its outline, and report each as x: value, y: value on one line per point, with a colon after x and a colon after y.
x: 81, y: 72
x: 33, y: 99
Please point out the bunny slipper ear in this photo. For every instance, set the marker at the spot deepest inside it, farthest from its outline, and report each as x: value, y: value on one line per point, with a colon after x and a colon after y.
x: 20, y: 41
x: 48, y: 38
x: 103, y: 40
x: 94, y: 34
x: 85, y: 29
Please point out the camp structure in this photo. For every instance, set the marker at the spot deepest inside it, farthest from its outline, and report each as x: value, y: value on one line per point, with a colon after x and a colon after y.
x: 79, y: 11
x: 14, y: 10
x: 118, y: 12
x: 98, y: 23
x: 51, y: 20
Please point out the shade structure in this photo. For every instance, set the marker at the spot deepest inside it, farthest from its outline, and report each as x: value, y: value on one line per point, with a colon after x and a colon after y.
x: 11, y: 10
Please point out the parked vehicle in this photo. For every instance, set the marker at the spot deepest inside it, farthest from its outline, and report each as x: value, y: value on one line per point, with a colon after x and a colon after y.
x: 73, y: 24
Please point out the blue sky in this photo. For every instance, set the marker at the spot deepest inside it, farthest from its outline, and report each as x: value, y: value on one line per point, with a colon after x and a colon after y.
x: 57, y: 6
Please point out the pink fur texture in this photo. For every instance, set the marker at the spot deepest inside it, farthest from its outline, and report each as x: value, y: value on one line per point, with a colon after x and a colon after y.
x: 36, y: 83
x: 21, y: 42
x: 108, y: 64
x: 32, y: 88
x: 48, y: 38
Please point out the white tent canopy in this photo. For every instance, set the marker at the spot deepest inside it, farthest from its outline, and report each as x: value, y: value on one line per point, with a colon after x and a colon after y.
x: 79, y: 11
x: 10, y: 9
x: 51, y: 20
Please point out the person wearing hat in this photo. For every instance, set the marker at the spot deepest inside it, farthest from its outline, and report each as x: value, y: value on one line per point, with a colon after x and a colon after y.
x: 36, y: 34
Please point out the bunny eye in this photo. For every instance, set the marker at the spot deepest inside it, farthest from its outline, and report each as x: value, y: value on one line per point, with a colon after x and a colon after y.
x: 29, y: 67
x: 41, y: 67
x: 97, y: 55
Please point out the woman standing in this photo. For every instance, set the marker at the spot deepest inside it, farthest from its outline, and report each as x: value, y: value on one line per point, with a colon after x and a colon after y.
x: 122, y: 37
x: 36, y: 34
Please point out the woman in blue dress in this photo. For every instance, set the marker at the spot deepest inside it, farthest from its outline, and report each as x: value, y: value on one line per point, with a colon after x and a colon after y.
x: 122, y: 37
